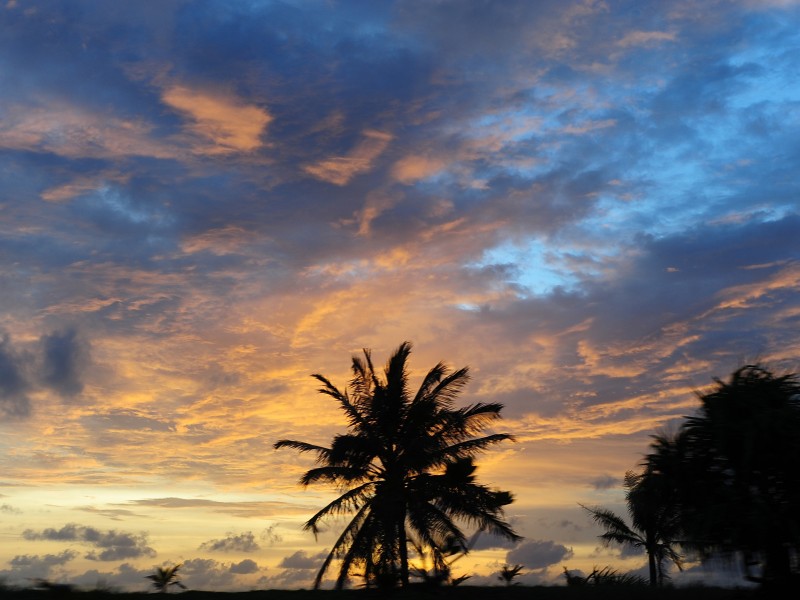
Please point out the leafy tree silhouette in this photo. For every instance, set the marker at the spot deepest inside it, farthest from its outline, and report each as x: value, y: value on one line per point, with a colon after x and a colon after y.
x: 740, y: 484
x: 165, y: 577
x: 655, y: 523
x: 407, y: 464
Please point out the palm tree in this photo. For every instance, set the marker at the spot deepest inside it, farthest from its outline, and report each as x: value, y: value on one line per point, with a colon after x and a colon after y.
x: 165, y: 577
x: 508, y: 573
x: 741, y: 486
x: 406, y: 464
x: 654, y: 521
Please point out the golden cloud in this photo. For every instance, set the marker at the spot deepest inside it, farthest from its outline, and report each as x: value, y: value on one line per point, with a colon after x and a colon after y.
x: 225, y: 121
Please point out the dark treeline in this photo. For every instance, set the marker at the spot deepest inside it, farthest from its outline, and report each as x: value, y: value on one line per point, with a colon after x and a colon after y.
x: 727, y: 483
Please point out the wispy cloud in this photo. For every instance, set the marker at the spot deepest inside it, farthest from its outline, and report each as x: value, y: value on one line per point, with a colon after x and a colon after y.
x: 339, y: 170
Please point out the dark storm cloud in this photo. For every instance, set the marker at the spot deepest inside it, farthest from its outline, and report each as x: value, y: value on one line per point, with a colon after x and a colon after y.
x: 14, y: 402
x: 110, y: 545
x: 58, y: 363
x: 64, y: 359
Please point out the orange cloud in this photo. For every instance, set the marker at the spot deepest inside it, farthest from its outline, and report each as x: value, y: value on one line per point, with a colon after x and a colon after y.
x: 79, y: 186
x: 225, y: 121
x: 226, y: 240
x: 414, y: 168
x: 339, y: 170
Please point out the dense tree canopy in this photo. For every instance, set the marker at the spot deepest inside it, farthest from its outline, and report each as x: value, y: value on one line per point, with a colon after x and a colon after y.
x: 733, y: 468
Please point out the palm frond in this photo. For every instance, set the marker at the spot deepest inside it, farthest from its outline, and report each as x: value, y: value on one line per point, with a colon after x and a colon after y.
x: 334, y: 474
x: 322, y: 452
x: 355, y: 499
x: 449, y: 387
x: 470, y: 447
x: 616, y: 530
x: 431, y: 379
x: 351, y: 411
x: 349, y: 531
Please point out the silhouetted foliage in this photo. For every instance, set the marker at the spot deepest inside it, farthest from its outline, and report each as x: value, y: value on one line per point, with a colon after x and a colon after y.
x: 738, y: 462
x: 442, y: 559
x: 165, y: 578
x: 510, y: 572
x: 407, y: 464
x: 655, y: 526
x: 605, y: 576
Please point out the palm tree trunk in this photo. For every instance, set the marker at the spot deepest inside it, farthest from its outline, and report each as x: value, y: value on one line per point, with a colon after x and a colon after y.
x: 651, y: 562
x: 403, y: 542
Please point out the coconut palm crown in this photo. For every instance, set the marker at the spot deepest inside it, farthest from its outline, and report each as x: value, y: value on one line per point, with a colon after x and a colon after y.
x: 164, y: 578
x: 405, y: 467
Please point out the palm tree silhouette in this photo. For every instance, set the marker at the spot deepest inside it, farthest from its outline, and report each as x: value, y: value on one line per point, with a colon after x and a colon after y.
x: 655, y: 522
x: 407, y: 465
x: 741, y: 485
x: 508, y: 573
x: 165, y: 577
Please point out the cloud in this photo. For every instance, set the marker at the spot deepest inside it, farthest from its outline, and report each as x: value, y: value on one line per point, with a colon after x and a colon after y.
x: 230, y: 124
x: 65, y: 356
x: 127, y: 420
x: 605, y: 482
x: 487, y: 541
x: 645, y: 38
x: 339, y: 170
x: 237, y: 509
x: 205, y: 573
x: 245, y: 567
x: 112, y: 544
x: 75, y: 132
x: 80, y: 186
x: 412, y: 168
x: 270, y: 535
x: 243, y: 542
x: 115, y: 514
x: 539, y: 554
x: 301, y: 560
x: 25, y: 567
x: 14, y: 401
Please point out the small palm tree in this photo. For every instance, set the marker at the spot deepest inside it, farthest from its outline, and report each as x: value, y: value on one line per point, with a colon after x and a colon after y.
x: 165, y: 577
x: 508, y: 573
x: 654, y: 518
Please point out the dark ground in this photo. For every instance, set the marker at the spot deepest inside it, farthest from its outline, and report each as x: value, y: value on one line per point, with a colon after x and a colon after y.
x: 459, y: 593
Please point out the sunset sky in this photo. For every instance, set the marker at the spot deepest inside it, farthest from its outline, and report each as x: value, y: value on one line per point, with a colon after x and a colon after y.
x: 593, y: 204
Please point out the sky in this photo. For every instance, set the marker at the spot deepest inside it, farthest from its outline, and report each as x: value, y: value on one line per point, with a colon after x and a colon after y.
x: 592, y: 204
